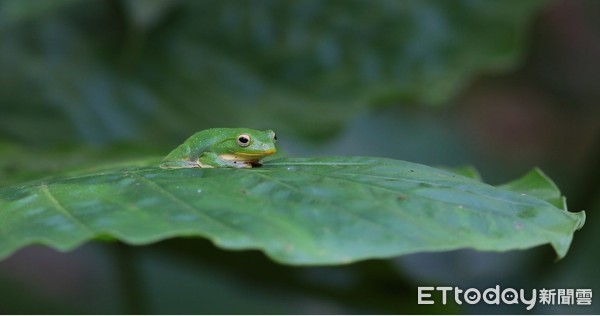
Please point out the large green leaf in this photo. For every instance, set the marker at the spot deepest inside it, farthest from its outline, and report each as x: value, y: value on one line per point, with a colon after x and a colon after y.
x: 298, y: 211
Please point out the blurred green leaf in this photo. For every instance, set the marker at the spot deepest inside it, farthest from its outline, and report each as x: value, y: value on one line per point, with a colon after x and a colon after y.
x: 298, y: 211
x: 122, y: 70
x: 17, y: 11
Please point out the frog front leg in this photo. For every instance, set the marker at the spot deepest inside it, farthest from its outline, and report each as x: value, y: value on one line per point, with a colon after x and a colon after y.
x: 213, y: 160
x: 180, y: 164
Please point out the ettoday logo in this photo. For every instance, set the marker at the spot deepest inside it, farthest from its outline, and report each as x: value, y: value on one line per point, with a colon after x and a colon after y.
x: 492, y: 296
x: 508, y: 296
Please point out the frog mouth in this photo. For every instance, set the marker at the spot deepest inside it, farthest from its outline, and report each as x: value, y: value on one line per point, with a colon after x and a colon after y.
x: 249, y: 157
x: 261, y: 154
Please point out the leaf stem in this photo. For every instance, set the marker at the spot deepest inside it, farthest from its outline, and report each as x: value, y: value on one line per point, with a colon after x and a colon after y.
x: 128, y: 276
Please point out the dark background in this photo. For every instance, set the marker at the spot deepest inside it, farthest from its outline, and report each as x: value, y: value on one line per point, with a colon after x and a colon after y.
x: 501, y: 85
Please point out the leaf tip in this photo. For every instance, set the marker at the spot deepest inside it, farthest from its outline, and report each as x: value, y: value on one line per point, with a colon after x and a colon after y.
x: 581, y: 220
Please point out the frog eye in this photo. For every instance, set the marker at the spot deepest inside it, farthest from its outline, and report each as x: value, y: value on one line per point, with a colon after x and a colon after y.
x: 274, y: 137
x: 243, y: 140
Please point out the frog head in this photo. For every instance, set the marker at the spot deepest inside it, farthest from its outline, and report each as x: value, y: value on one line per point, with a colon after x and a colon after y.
x: 246, y: 145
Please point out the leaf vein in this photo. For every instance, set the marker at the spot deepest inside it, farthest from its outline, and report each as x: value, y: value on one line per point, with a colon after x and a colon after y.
x: 187, y: 206
x: 62, y: 210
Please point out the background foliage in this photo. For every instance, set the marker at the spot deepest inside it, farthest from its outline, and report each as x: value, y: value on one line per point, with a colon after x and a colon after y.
x: 504, y: 85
